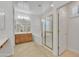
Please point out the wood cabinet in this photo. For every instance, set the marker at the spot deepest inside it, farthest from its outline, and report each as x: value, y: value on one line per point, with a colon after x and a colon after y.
x: 20, y: 38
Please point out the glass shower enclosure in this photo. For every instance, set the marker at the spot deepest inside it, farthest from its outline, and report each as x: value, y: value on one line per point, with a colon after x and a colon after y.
x: 47, y: 31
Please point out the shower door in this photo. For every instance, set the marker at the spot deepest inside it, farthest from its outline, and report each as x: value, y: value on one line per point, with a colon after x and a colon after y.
x: 47, y: 30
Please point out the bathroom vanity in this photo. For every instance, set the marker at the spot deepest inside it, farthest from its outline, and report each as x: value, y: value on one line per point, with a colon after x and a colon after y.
x: 22, y: 37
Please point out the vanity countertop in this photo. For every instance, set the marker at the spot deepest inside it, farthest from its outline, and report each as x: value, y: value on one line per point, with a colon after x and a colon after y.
x: 22, y: 32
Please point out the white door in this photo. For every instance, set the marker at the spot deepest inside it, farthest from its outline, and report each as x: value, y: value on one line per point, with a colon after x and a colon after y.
x: 62, y: 30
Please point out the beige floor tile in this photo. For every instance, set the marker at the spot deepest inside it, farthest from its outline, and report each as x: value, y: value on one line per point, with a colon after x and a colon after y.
x: 32, y: 49
x: 69, y: 53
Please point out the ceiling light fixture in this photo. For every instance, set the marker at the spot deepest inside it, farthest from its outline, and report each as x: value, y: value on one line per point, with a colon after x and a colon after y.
x: 24, y: 17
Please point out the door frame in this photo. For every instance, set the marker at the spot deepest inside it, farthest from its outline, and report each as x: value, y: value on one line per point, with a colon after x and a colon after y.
x: 42, y: 31
x: 59, y: 23
x: 13, y: 21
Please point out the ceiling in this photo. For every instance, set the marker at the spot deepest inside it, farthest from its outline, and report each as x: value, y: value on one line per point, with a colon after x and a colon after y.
x: 36, y: 7
x: 32, y: 7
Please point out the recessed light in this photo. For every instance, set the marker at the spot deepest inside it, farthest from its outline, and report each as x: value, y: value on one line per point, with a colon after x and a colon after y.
x: 52, y: 5
x: 39, y: 5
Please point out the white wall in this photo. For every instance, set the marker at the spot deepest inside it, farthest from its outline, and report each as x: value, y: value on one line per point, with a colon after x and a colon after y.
x: 36, y: 28
x: 55, y: 32
x: 73, y: 37
x: 7, y: 6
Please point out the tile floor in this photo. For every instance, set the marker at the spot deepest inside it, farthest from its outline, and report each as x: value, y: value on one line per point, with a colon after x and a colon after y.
x: 69, y: 53
x: 32, y: 49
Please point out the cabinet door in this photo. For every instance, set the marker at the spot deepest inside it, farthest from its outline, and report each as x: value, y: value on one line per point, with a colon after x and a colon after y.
x: 18, y: 38
x: 30, y: 36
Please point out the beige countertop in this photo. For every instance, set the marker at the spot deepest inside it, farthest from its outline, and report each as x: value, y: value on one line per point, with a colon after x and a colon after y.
x: 22, y: 32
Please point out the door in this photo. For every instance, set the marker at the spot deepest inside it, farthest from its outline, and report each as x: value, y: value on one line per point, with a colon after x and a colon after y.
x: 62, y: 30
